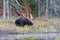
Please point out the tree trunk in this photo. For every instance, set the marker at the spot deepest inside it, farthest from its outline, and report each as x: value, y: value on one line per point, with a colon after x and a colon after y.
x: 46, y: 13
x: 27, y: 10
x: 4, y: 9
x: 8, y: 9
x: 39, y: 12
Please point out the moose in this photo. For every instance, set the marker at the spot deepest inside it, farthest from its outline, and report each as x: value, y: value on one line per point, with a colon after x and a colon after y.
x: 22, y: 21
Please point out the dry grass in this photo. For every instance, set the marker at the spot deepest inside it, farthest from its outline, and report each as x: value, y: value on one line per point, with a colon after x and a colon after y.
x: 40, y: 25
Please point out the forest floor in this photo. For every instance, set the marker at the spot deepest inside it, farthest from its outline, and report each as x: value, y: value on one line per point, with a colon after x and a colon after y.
x: 39, y: 25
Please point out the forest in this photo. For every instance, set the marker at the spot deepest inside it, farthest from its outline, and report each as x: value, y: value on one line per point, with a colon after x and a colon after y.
x: 42, y: 15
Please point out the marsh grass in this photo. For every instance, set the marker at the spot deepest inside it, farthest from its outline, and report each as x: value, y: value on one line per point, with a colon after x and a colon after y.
x: 39, y: 25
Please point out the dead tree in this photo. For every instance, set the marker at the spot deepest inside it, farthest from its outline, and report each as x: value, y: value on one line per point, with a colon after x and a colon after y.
x: 46, y: 13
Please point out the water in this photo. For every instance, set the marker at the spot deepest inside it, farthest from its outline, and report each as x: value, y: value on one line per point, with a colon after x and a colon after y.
x: 41, y: 35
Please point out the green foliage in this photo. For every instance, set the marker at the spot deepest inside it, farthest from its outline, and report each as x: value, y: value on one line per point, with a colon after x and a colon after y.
x: 33, y: 5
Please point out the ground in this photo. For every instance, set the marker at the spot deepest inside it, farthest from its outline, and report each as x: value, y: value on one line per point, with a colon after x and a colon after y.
x: 40, y: 25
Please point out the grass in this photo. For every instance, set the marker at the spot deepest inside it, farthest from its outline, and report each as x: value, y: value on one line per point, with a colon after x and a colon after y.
x: 57, y: 38
x: 40, y: 25
x: 38, y: 38
x: 29, y: 38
